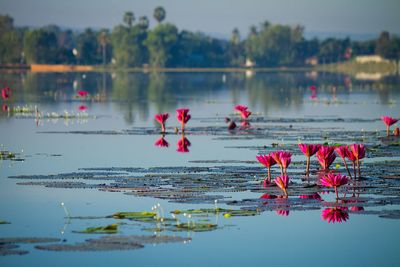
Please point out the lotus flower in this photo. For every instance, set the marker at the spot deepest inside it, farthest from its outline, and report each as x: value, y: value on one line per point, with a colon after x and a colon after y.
x: 282, y: 182
x: 244, y: 112
x: 308, y: 150
x: 161, y: 142
x: 162, y: 118
x: 5, y: 93
x: 83, y: 93
x: 313, y: 88
x: 244, y: 124
x: 183, y: 144
x: 389, y: 121
x: 358, y: 151
x: 183, y: 117
x: 82, y: 108
x: 326, y: 156
x: 4, y: 107
x: 267, y: 161
x: 334, y: 180
x: 342, y: 151
x: 283, y: 159
x: 333, y: 215
x: 353, y: 159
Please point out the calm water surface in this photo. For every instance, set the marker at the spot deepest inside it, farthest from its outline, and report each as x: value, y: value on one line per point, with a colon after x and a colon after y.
x: 123, y: 101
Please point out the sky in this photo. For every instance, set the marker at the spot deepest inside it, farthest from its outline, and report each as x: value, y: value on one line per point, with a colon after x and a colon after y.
x: 213, y: 16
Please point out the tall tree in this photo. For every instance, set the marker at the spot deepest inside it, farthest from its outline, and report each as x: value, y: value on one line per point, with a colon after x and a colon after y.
x: 160, y: 42
x: 40, y: 46
x: 143, y: 23
x: 159, y: 14
x: 129, y: 18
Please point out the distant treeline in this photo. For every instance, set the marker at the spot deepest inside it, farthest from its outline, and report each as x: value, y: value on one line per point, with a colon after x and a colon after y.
x: 134, y: 44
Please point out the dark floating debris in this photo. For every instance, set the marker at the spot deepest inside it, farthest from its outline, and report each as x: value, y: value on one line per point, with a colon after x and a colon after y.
x: 110, y: 243
x: 8, y: 245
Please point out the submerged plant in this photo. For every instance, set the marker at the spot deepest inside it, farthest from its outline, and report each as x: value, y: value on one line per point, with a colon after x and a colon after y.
x: 267, y: 161
x: 308, y: 150
x: 162, y: 118
x: 389, y: 121
x: 335, y: 181
x: 183, y: 117
x: 282, y: 182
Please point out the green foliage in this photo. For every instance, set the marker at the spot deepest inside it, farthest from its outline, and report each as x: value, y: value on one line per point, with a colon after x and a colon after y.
x: 128, y: 46
x: 40, y: 46
x: 160, y: 42
x: 129, y: 18
x: 89, y: 51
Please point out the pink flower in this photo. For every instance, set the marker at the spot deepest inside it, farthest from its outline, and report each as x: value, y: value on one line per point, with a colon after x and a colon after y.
x: 82, y: 108
x: 358, y: 151
x: 309, y: 149
x: 161, y: 142
x: 283, y: 159
x: 333, y: 215
x: 244, y: 112
x: 326, y: 156
x: 389, y: 121
x: 5, y: 93
x: 282, y: 182
x: 162, y: 118
x: 5, y: 107
x: 183, y: 117
x: 266, y: 160
x: 334, y: 180
x: 183, y: 145
x: 342, y: 151
x: 83, y: 93
x: 313, y: 88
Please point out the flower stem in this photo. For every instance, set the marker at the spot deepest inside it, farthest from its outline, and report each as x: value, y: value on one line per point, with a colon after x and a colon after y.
x: 387, y: 130
x: 354, y: 169
x: 308, y: 167
x: 347, y: 168
x: 358, y: 167
x: 337, y: 196
x: 269, y: 174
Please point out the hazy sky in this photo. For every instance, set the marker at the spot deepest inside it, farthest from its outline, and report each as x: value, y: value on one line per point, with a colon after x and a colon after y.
x: 214, y: 16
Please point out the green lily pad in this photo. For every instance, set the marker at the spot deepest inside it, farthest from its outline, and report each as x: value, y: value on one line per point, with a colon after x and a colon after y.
x: 109, y: 229
x: 141, y: 216
x: 196, y: 227
x: 4, y: 222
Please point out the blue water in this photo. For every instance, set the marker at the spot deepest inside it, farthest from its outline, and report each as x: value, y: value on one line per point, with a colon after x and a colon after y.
x: 131, y: 100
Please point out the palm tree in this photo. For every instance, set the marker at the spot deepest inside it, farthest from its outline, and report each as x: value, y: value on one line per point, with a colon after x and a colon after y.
x: 235, y: 38
x: 143, y: 23
x: 129, y: 18
x: 159, y: 14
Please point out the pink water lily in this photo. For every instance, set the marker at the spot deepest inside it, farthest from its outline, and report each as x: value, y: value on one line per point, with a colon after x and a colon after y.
x: 308, y: 150
x: 358, y: 151
x: 283, y: 212
x: 333, y: 215
x: 244, y: 112
x: 183, y: 117
x: 356, y: 208
x: 183, y: 144
x: 389, y: 121
x: 282, y: 158
x: 282, y: 182
x: 83, y: 93
x: 82, y: 108
x: 5, y: 93
x: 334, y: 180
x: 268, y: 196
x: 342, y: 151
x: 267, y: 161
x: 326, y: 156
x: 161, y: 142
x: 161, y: 119
x: 353, y: 160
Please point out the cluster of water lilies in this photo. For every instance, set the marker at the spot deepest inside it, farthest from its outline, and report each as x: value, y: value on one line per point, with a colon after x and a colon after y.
x: 183, y: 116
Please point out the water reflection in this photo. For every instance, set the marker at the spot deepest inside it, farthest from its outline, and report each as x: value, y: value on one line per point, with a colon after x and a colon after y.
x: 136, y: 93
x: 161, y: 142
x: 335, y: 215
x: 183, y: 144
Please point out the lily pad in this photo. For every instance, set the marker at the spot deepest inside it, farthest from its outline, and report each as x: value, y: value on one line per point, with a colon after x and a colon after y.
x: 109, y: 229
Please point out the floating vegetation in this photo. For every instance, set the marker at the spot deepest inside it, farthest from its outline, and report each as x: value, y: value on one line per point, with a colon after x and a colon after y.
x: 109, y: 229
x: 4, y: 222
x: 8, y: 155
x: 111, y: 243
x: 141, y: 216
x: 196, y: 227
x: 8, y: 245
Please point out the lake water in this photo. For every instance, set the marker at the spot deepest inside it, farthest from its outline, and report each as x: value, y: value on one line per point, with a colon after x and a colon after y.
x: 114, y: 127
